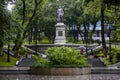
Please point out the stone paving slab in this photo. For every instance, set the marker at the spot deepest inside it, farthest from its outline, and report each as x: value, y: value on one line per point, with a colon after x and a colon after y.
x: 26, y: 70
x: 77, y: 77
x: 14, y: 68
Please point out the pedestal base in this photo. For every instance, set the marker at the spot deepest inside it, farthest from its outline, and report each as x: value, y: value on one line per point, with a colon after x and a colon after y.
x: 60, y: 33
x: 59, y: 40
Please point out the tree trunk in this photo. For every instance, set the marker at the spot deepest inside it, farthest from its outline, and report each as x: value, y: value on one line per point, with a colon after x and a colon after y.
x: 80, y: 33
x: 1, y: 47
x: 102, y: 31
x: 92, y: 32
x: 74, y: 36
x: 18, y: 42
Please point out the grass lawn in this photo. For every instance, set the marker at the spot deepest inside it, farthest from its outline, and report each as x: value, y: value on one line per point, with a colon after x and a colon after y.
x: 3, y: 61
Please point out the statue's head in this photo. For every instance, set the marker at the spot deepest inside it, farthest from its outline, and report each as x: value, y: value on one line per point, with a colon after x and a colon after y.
x: 60, y: 7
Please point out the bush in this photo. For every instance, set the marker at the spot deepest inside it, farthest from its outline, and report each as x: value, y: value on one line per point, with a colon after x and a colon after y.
x: 65, y: 56
x: 114, y: 57
x: 61, y: 57
x: 100, y: 54
x: 40, y: 61
x: 22, y: 51
x: 118, y: 56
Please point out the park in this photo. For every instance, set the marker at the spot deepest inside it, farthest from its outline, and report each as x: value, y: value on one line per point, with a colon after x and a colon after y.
x: 60, y: 39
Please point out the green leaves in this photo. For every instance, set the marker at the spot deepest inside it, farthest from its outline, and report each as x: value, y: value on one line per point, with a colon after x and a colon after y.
x: 4, y: 23
x: 65, y: 56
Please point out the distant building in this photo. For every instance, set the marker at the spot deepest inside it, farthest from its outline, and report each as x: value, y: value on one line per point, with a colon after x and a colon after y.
x: 97, y: 34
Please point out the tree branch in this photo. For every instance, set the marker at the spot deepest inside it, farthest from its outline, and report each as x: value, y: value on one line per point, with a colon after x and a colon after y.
x: 23, y: 12
x: 31, y: 18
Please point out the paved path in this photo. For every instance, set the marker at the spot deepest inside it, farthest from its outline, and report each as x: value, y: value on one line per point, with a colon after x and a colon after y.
x: 116, y: 65
x: 78, y: 77
x: 14, y: 68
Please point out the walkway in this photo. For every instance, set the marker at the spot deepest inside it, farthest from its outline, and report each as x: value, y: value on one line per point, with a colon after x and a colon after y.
x: 116, y: 65
x: 77, y: 77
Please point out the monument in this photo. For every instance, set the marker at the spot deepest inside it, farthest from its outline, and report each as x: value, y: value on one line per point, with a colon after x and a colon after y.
x: 60, y: 38
x: 60, y: 28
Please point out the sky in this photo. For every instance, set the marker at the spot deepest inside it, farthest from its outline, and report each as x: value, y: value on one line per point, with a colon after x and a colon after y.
x: 9, y: 7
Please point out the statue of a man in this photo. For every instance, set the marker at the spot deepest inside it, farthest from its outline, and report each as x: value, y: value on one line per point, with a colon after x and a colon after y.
x: 60, y: 14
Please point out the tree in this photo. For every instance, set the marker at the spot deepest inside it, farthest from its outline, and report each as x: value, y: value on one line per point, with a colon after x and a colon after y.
x: 24, y: 12
x: 104, y: 3
x: 5, y: 24
x: 103, y: 8
x: 93, y: 10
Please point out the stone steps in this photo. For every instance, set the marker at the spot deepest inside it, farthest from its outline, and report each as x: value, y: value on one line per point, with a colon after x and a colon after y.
x: 26, y: 62
x: 96, y: 62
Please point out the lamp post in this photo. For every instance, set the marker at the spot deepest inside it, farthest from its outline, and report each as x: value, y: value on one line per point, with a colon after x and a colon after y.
x: 86, y: 38
x: 36, y: 40
x: 29, y: 36
x: 109, y: 38
x: 110, y: 26
x: 110, y: 43
x: 8, y: 56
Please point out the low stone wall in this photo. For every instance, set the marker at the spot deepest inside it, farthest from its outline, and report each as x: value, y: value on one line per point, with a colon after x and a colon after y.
x: 60, y: 71
x: 14, y: 70
x: 42, y: 47
x: 105, y: 71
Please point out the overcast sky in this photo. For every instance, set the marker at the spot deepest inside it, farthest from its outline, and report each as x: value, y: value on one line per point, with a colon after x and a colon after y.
x: 9, y: 7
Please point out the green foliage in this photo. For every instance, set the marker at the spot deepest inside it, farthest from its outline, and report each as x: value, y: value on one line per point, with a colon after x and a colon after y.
x: 114, y: 55
x: 65, y: 56
x: 25, y: 13
x: 61, y: 57
x: 100, y: 54
x: 118, y: 56
x: 78, y: 42
x: 40, y: 61
x: 59, y: 66
x: 22, y: 51
x: 106, y: 61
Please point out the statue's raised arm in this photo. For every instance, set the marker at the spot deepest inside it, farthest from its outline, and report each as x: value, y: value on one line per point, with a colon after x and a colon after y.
x: 60, y: 14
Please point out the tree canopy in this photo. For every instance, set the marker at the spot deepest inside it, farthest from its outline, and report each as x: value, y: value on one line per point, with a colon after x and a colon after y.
x: 30, y: 16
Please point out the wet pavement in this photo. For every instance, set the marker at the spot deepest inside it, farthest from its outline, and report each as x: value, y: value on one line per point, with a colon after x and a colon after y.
x: 78, y: 77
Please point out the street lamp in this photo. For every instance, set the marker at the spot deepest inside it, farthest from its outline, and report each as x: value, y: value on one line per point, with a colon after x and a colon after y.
x: 86, y: 38
x: 109, y: 38
x: 8, y: 56
x: 36, y: 40
x: 110, y: 26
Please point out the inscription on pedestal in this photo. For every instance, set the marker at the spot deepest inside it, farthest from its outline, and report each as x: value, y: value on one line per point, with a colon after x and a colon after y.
x: 60, y: 33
